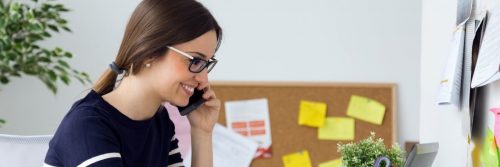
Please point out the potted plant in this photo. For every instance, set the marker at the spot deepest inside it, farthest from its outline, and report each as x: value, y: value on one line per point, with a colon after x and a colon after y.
x: 364, y: 153
x: 22, y: 27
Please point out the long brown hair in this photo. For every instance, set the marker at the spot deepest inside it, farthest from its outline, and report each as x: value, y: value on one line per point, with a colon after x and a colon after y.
x: 154, y: 25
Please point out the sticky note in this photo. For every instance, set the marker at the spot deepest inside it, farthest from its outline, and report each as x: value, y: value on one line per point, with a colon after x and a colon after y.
x: 299, y: 159
x: 496, y: 111
x: 489, y: 154
x: 332, y: 163
x: 337, y: 128
x: 312, y: 113
x: 366, y: 109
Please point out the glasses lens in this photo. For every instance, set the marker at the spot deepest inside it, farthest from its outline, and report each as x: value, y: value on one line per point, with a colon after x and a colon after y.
x: 197, y: 65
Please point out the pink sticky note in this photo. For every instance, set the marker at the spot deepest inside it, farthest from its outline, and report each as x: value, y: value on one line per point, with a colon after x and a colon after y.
x: 496, y: 111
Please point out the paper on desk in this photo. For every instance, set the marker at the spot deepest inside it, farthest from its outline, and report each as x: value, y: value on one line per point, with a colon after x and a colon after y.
x: 337, y: 128
x: 299, y: 159
x: 332, y: 163
x: 250, y: 118
x: 488, y: 63
x: 229, y: 149
x: 450, y: 84
x: 312, y: 113
x: 489, y: 153
x: 366, y: 109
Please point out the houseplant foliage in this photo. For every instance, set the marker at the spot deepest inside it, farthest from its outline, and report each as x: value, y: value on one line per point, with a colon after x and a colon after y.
x: 22, y: 26
x: 364, y: 153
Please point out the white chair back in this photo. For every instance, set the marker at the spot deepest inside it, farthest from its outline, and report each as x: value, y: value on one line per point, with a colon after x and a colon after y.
x: 25, y: 151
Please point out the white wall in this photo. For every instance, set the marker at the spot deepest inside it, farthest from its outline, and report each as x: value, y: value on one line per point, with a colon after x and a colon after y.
x: 440, y: 124
x: 443, y: 124
x: 279, y: 40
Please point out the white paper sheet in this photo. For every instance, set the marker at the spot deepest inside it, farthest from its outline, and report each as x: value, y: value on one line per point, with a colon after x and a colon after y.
x: 451, y: 84
x: 229, y: 149
x: 250, y: 118
x: 488, y: 64
x: 471, y: 30
x: 464, y: 10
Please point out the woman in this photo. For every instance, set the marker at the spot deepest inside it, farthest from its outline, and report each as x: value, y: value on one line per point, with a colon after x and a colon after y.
x: 167, y: 52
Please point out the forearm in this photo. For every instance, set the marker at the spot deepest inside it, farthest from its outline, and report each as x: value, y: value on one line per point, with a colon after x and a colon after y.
x: 202, y: 154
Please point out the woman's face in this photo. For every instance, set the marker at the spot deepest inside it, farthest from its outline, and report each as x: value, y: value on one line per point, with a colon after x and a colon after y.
x: 169, y: 76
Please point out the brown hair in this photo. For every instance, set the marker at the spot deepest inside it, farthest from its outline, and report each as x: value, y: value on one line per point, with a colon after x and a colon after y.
x: 154, y: 25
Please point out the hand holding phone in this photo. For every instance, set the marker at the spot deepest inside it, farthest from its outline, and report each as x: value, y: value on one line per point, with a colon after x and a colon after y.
x: 195, y: 101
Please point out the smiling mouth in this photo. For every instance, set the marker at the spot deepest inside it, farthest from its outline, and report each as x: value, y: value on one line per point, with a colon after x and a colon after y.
x: 189, y: 89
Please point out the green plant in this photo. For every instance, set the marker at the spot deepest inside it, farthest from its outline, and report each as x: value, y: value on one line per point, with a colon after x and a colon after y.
x: 21, y: 27
x: 364, y: 153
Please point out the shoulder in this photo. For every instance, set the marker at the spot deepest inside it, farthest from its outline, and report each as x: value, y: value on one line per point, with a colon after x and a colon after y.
x: 86, y: 131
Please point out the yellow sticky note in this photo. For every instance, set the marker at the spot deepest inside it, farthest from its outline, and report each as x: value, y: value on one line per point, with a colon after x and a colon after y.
x: 337, y: 128
x: 366, y: 109
x: 299, y: 159
x: 332, y: 163
x: 489, y: 155
x: 312, y: 113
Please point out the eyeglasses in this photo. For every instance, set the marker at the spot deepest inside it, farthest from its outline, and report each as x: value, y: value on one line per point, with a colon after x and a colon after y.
x: 196, y: 64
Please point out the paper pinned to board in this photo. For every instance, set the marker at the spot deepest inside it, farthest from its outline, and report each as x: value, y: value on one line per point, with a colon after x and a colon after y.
x: 451, y: 82
x: 473, y: 35
x: 464, y: 11
x: 332, y: 163
x: 250, y: 118
x: 299, y: 159
x: 229, y: 149
x: 366, y: 109
x: 487, y: 68
x: 337, y: 128
x: 312, y: 113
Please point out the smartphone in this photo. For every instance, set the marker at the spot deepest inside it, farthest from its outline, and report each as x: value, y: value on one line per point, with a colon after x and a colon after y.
x: 195, y: 101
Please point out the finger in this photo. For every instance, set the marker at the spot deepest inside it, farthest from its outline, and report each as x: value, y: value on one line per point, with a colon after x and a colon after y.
x: 213, y: 103
x: 209, y: 94
x: 204, y: 86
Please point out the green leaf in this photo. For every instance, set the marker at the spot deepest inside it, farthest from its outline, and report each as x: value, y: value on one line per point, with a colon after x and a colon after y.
x: 60, y: 69
x: 61, y: 21
x: 4, y: 79
x: 58, y: 50
x: 45, y: 59
x: 52, y: 87
x: 65, y: 79
x: 52, y: 75
x: 2, y: 122
x: 46, y: 34
x: 68, y: 55
x: 63, y: 63
x: 53, y: 27
x: 66, y: 28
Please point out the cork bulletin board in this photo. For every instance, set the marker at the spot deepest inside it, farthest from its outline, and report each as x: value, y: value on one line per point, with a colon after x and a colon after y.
x: 284, y: 99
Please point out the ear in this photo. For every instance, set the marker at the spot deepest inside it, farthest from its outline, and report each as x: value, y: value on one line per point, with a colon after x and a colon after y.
x: 149, y: 62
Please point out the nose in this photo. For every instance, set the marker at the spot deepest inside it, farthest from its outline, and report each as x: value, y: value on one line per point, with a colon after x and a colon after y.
x: 202, y: 78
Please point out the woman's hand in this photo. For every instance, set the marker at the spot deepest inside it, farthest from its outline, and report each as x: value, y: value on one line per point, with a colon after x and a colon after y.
x: 203, y: 119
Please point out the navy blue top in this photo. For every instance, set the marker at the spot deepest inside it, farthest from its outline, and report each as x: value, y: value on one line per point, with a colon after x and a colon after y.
x: 94, y: 133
